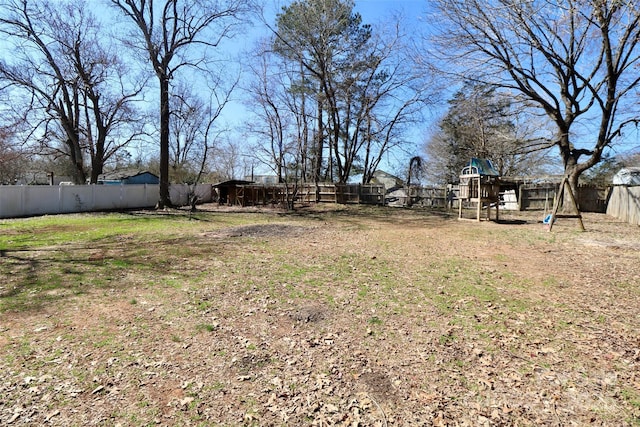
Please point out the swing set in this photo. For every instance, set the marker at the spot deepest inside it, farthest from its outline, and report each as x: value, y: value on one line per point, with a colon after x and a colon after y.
x: 551, y: 218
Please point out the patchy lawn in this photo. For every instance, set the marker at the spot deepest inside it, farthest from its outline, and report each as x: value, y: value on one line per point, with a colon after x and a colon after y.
x: 332, y: 316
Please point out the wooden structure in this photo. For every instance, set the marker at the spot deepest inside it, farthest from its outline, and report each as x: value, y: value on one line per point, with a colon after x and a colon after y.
x: 480, y: 188
x: 247, y: 193
x: 228, y: 191
x: 371, y: 194
x: 565, y: 187
x: 541, y: 195
x: 259, y: 194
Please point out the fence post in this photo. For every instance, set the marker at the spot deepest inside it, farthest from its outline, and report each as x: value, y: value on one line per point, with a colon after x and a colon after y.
x: 23, y: 209
x: 93, y: 197
x: 60, y: 199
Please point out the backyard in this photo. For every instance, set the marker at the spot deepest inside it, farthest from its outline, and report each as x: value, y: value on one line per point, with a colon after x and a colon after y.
x: 330, y: 315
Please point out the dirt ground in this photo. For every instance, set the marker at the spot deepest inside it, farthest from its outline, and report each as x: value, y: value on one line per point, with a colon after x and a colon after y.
x: 343, y: 317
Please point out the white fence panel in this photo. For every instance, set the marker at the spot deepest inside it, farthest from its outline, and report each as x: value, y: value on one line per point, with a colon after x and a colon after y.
x: 138, y: 196
x: 11, y: 201
x: 74, y: 198
x: 27, y: 200
x: 107, y: 197
x: 204, y: 193
x: 39, y: 200
x: 179, y: 193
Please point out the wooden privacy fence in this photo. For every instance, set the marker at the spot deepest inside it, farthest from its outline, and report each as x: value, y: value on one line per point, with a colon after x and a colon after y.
x: 537, y: 196
x: 624, y: 203
x: 541, y: 196
x: 592, y: 198
x: 526, y: 197
x: 256, y: 194
x: 371, y: 194
x: 432, y: 197
x: 530, y: 196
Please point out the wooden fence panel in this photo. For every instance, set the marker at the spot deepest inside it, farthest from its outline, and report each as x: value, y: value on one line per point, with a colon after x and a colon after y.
x: 372, y: 194
x: 542, y: 196
x: 624, y: 203
x: 592, y: 198
x: 434, y: 197
x: 537, y: 196
x: 306, y: 193
x: 258, y: 194
x: 347, y: 193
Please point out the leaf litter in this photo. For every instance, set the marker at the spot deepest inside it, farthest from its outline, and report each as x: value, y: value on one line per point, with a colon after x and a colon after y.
x: 378, y: 321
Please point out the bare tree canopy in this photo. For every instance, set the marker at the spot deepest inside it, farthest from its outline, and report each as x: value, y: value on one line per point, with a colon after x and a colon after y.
x: 168, y: 33
x: 282, y: 127
x: 192, y: 129
x: 67, y: 83
x: 577, y: 61
x: 481, y: 122
x: 350, y: 89
x: 12, y: 158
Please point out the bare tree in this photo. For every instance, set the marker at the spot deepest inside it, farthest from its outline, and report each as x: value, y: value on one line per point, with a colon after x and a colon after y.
x: 264, y: 91
x: 313, y: 33
x: 188, y: 117
x: 278, y: 98
x: 175, y: 34
x: 75, y: 86
x: 231, y: 161
x: 481, y: 122
x: 194, y: 128
x: 12, y: 158
x: 394, y: 97
x: 363, y: 87
x: 575, y: 60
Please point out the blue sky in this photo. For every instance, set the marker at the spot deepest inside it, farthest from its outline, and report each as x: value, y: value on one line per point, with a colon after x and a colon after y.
x: 373, y: 10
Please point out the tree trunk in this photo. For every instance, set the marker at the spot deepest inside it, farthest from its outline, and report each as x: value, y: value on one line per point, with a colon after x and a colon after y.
x: 79, y: 175
x: 573, y: 176
x: 165, y: 200
x: 279, y: 166
x: 97, y: 162
x: 96, y: 171
x: 319, y: 148
x: 572, y: 170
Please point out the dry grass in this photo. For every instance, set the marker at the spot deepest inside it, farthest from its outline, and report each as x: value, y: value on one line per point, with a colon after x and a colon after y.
x: 343, y: 315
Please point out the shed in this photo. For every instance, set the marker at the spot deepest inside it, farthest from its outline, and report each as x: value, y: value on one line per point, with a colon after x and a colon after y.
x: 389, y: 181
x: 128, y: 177
x: 228, y: 191
x: 627, y: 176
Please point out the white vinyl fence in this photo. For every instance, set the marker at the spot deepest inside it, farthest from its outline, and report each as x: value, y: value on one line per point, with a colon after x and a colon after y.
x: 30, y: 200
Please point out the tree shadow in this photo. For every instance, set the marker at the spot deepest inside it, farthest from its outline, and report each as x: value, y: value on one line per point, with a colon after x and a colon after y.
x: 410, y: 217
x: 198, y: 215
x: 38, y: 276
x: 512, y: 221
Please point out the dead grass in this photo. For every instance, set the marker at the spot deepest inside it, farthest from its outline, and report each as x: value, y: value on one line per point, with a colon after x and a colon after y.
x: 339, y: 315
